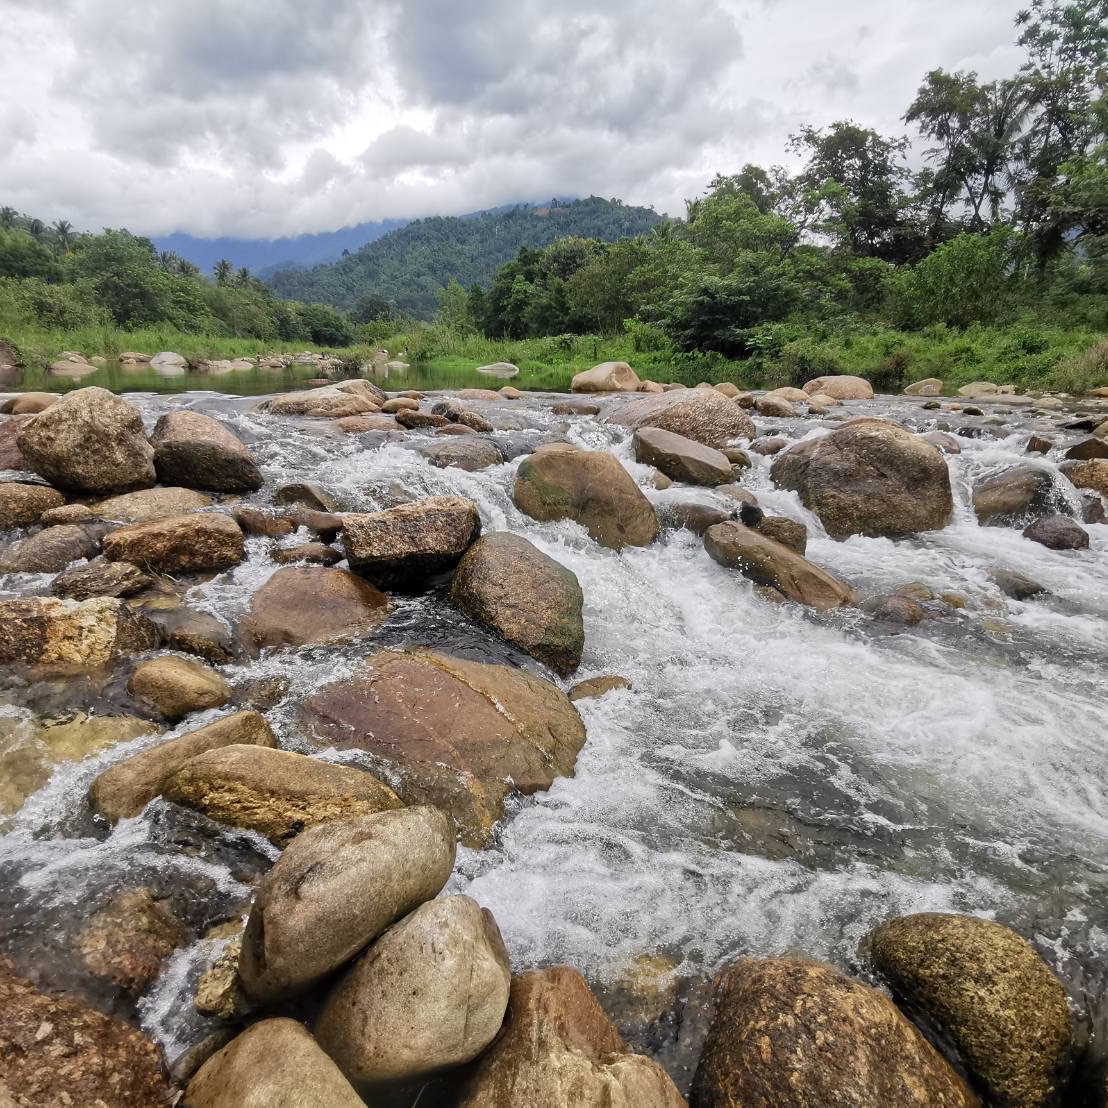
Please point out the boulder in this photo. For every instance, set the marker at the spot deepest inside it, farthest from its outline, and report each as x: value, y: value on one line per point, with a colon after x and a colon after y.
x: 992, y: 995
x: 454, y: 412
x: 29, y: 403
x: 140, y: 507
x: 407, y: 545
x: 10, y: 456
x: 50, y: 550
x: 66, y: 513
x: 429, y: 994
x: 468, y: 453
x: 306, y: 494
x: 588, y: 486
x: 524, y: 595
x: 510, y: 392
x: 178, y: 544
x: 692, y: 515
x: 606, y: 377
x: 477, y: 394
x: 345, y: 398
x: 1088, y: 475
x: 1057, y: 533
x: 1016, y: 585
x: 275, y: 792
x: 314, y: 553
x: 869, y: 477
x: 307, y: 604
x: 1015, y: 495
x: 273, y: 1064
x: 788, y: 532
x: 42, y: 630
x: 767, y: 562
x: 1087, y: 450
x: 90, y: 441
x: 700, y: 414
x: 21, y: 505
x: 174, y: 687
x: 897, y: 609
x: 776, y: 407
x: 456, y: 734
x: 414, y: 420
x: 840, y: 387
x: 680, y: 458
x: 334, y: 890
x: 558, y: 1049
x: 504, y: 370
x: 598, y: 686
x: 977, y: 389
x: 360, y: 424
x: 399, y: 404
x: 56, y: 1051
x: 196, y: 451
x: 123, y: 790
x: 793, y: 1034
x: 195, y: 632
x: 929, y: 386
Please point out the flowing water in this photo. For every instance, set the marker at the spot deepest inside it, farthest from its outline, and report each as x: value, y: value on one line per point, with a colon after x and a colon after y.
x: 776, y: 780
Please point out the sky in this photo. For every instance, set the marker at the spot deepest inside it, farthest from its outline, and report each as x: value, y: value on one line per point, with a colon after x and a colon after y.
x: 261, y: 118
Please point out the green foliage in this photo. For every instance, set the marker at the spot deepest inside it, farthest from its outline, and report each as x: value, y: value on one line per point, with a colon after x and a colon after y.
x: 22, y: 255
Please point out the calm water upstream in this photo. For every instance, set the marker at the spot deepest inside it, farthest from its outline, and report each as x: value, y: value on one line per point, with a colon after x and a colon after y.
x: 775, y: 781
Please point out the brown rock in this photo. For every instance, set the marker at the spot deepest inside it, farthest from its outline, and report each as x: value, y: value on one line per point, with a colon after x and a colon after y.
x: 414, y: 420
x: 680, y: 458
x: 306, y: 494
x: 774, y: 406
x: 178, y: 544
x: 147, y: 504
x: 50, y: 550
x: 1037, y: 444
x: 314, y: 553
x: 1013, y: 495
x: 700, y: 414
x: 400, y: 404
x: 66, y: 513
x: 1087, y: 450
x: 606, y: 377
x: 1088, y: 475
x: 691, y: 515
x: 468, y: 453
x: 359, y: 396
x: 176, y: 686
x: 10, y: 455
x: 29, y: 403
x: 195, y: 632
x: 360, y: 424
x: 196, y: 451
x: 21, y: 505
x: 1058, y: 533
x: 897, y: 609
x: 597, y: 686
x: 841, y: 387
x: 575, y: 409
x: 253, y: 522
x: 788, y: 532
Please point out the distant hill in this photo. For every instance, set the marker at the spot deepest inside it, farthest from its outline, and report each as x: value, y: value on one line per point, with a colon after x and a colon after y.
x: 265, y: 256
x: 409, y: 265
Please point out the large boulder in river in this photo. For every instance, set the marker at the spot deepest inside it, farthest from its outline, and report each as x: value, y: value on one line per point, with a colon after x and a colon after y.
x: 992, y: 995
x: 174, y: 687
x: 56, y: 1051
x: 1057, y: 532
x: 560, y: 481
x: 89, y: 441
x: 309, y: 604
x: 840, y: 387
x: 456, y: 734
x: 273, y: 1064
x: 196, y: 451
x: 41, y: 630
x: 147, y: 504
x: 704, y: 415
x: 275, y: 792
x: 123, y: 790
x: 869, y: 477
x: 606, y: 377
x: 1015, y: 495
x: 768, y: 562
x: 558, y: 1049
x: 1092, y: 474
x: 429, y: 994
x: 345, y: 398
x: 100, y: 578
x: 50, y: 550
x: 10, y: 455
x: 407, y: 545
x: 334, y: 890
x: 679, y: 458
x: 190, y: 543
x: 21, y: 505
x: 526, y: 596
x: 794, y: 1034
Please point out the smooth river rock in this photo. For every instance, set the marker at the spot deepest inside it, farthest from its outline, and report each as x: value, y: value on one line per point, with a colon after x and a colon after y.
x: 1014, y: 495
x: 147, y: 504
x: 679, y: 458
x: 198, y: 452
x: 606, y: 377
x: 840, y: 387
x: 100, y: 578
x: 704, y: 415
x: 174, y: 687
x: 178, y: 544
x: 21, y: 505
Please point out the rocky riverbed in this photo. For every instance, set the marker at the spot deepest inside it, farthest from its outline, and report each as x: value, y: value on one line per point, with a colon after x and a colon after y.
x: 679, y: 689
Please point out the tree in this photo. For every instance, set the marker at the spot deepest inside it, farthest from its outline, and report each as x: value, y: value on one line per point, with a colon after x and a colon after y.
x: 36, y: 228
x: 8, y: 216
x: 21, y: 255
x: 223, y: 271
x: 325, y: 326
x: 63, y: 235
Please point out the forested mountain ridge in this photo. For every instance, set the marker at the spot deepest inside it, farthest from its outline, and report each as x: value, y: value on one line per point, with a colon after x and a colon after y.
x: 408, y: 266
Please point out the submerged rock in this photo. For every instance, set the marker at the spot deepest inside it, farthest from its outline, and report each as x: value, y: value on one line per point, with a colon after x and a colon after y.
x: 795, y: 1034
x: 680, y: 458
x: 334, y: 890
x: 176, y: 686
x: 597, y: 686
x: 990, y: 993
x: 198, y: 452
x: 468, y: 453
x: 1057, y: 533
x: 1013, y: 496
x: 178, y: 544
x: 703, y: 415
x: 528, y: 598
x: 430, y: 993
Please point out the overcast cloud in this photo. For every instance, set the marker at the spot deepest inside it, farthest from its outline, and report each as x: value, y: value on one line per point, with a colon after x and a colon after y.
x: 275, y: 117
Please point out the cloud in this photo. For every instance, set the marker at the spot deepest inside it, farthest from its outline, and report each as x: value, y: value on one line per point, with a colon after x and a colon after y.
x: 273, y: 117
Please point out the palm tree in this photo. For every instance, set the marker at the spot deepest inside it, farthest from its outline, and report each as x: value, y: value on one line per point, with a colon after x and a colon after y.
x: 8, y: 216
x: 223, y: 270
x: 242, y: 278
x: 63, y: 235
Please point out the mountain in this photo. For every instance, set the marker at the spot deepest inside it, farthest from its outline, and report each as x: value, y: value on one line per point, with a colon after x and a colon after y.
x: 262, y: 256
x: 409, y: 265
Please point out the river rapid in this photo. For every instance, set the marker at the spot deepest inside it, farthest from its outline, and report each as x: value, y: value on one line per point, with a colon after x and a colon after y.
x: 776, y: 780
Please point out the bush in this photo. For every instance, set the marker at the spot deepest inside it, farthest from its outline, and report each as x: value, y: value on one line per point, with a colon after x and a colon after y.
x: 1084, y: 371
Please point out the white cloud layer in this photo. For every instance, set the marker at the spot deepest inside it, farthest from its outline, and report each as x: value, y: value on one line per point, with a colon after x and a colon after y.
x: 275, y: 117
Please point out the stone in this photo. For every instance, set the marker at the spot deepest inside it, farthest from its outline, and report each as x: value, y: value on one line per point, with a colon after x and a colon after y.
x: 336, y: 888
x: 219, y: 991
x: 477, y: 394
x: 407, y: 545
x: 775, y: 407
x: 788, y: 532
x: 869, y: 477
x: 21, y: 505
x: 929, y: 386
x: 90, y: 441
x: 1014, y: 495
x: 529, y: 599
x: 700, y: 414
x: 140, y: 507
x: 589, y: 487
x: 167, y: 359
x: 456, y: 734
x: 275, y: 792
x: 325, y: 525
x: 597, y: 686
x: 414, y: 420
x: 769, y: 446
x: 195, y: 632
x: 454, y: 412
x: 510, y: 392
x: 66, y: 513
x: 947, y: 443
x: 273, y: 1064
x: 429, y: 994
x: 48, y: 631
x: 304, y: 605
x: 314, y: 553
x: 1057, y: 533
x: 990, y: 992
x: 29, y: 403
x: 767, y: 562
x: 977, y: 389
x: 575, y: 409
x: 680, y: 458
x: 1016, y: 585
x: 10, y: 455
x: 306, y: 494
x: 50, y: 550
x: 794, y: 1034
x: 897, y: 609
x: 360, y: 424
x: 359, y: 396
x: 190, y: 543
x: 1037, y: 444
x: 123, y: 790
x: 399, y: 404
x: 253, y: 522
x: 606, y: 377
x: 1087, y: 475
x: 127, y: 941
x: 56, y: 1051
x: 692, y: 515
x: 468, y: 453
x: 504, y: 370
x: 174, y: 687
x: 840, y: 387
x: 558, y: 1049
x: 198, y: 452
